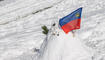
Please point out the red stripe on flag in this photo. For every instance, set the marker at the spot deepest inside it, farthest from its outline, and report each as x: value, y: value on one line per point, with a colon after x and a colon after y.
x: 72, y: 25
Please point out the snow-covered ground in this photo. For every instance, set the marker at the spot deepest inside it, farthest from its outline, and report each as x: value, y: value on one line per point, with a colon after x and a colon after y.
x: 5, y: 2
x: 21, y: 33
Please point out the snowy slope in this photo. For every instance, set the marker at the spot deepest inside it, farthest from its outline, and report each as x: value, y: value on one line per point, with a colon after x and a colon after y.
x: 21, y: 21
x: 19, y: 27
x: 5, y: 2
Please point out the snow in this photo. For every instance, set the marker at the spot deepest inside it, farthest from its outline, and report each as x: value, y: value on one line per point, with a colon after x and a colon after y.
x: 21, y: 33
x: 5, y: 2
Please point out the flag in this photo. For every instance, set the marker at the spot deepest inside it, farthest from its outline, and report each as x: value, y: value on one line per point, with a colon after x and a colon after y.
x: 71, y: 21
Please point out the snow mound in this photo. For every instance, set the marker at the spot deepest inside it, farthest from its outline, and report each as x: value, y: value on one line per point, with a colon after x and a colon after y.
x: 61, y: 46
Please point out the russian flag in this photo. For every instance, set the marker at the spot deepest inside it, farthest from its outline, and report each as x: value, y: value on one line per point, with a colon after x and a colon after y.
x: 71, y: 21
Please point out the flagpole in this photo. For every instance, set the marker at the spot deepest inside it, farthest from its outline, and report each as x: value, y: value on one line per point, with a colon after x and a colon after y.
x: 73, y: 33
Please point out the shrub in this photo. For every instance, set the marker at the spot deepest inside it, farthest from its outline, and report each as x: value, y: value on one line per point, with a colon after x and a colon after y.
x: 45, y: 30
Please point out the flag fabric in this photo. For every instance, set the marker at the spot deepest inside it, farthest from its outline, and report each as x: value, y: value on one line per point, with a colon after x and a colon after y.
x: 71, y: 21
